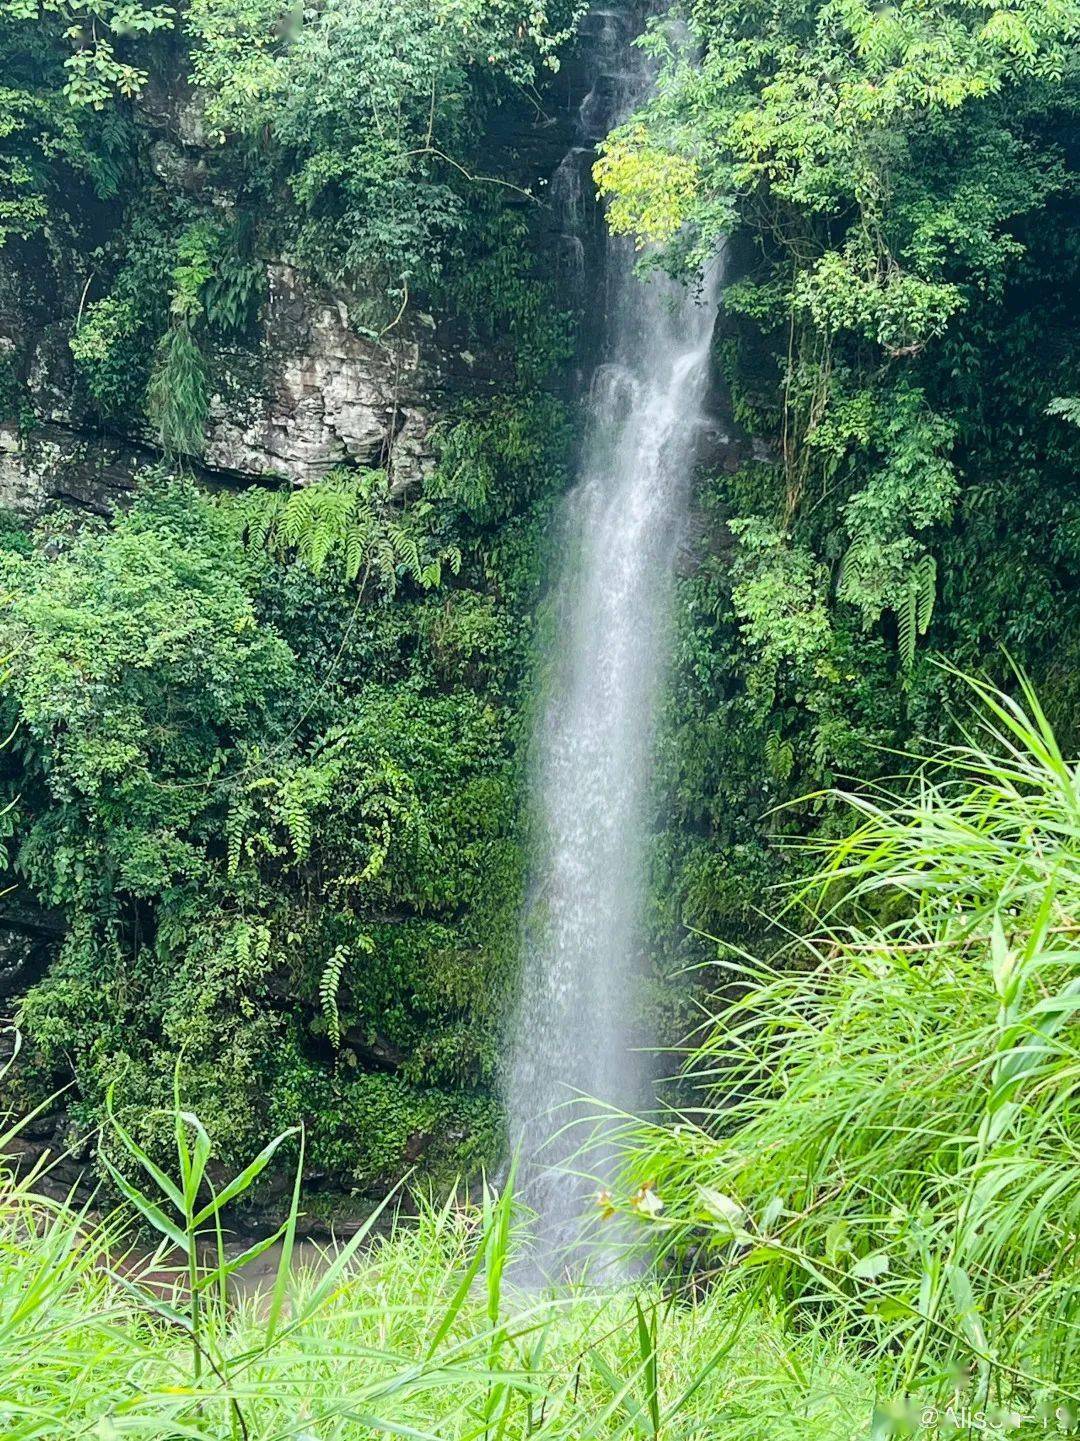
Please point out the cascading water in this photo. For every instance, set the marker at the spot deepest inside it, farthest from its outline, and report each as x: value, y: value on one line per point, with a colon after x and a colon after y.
x: 624, y: 522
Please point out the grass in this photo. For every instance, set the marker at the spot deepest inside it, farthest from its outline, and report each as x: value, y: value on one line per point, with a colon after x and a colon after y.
x: 888, y: 1141
x: 394, y: 1344
x: 416, y: 1333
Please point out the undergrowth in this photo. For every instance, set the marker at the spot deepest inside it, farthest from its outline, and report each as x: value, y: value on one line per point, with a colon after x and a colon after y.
x: 887, y: 1135
x: 417, y: 1332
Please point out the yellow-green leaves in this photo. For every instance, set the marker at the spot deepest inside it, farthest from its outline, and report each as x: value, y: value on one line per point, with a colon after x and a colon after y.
x: 650, y: 189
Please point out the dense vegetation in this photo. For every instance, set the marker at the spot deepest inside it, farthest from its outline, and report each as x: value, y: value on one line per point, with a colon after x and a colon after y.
x: 268, y: 750
x: 885, y: 1130
x: 231, y: 829
x: 266, y: 744
x: 263, y: 784
x: 877, y: 1200
x: 892, y: 188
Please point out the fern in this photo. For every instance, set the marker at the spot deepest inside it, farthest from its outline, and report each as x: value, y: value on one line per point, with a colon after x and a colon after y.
x: 906, y: 624
x: 779, y: 756
x: 857, y: 581
x: 914, y: 612
x: 925, y: 581
x: 849, y: 578
x: 296, y: 816
x: 867, y: 582
x: 330, y: 984
x: 353, y: 546
x: 357, y: 520
x: 234, y: 837
x: 231, y: 295
x: 250, y: 945
x: 1067, y: 407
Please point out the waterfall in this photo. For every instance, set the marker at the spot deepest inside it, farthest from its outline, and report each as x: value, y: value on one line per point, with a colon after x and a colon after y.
x: 624, y: 521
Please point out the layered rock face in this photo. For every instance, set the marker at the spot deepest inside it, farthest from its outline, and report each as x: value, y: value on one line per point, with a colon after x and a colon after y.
x: 330, y: 396
x: 313, y: 394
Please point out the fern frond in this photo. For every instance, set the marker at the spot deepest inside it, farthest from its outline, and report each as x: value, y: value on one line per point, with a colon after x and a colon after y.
x: 355, y: 520
x: 407, y: 550
x: 779, y: 756
x: 354, y: 552
x: 234, y: 839
x: 1067, y: 407
x: 925, y: 583
x: 851, y: 582
x: 298, y: 823
x: 330, y: 984
x: 386, y: 560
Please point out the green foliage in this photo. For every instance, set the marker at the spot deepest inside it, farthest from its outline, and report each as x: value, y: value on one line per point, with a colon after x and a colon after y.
x: 179, y: 1212
x: 363, y: 521
x: 378, y: 183
x: 54, y: 145
x: 233, y: 286
x: 1067, y: 407
x: 175, y: 295
x: 496, y: 289
x: 276, y: 805
x: 884, y: 1131
x: 330, y: 984
x: 213, y: 285
x: 99, y: 347
x: 891, y: 192
x: 493, y: 459
x: 417, y: 1329
x: 23, y: 207
x: 883, y: 175
x: 178, y: 400
x: 779, y: 594
x: 651, y: 188
x: 96, y: 71
x: 379, y: 196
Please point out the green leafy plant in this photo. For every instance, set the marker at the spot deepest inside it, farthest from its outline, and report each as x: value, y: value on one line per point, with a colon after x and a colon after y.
x: 236, y: 772
x: 180, y: 1214
x: 178, y: 398
x: 379, y: 186
x: 96, y: 72
x: 330, y: 983
x: 362, y: 520
x: 884, y: 1127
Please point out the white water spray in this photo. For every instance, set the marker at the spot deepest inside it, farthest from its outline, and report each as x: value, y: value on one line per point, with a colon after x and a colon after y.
x: 625, y: 520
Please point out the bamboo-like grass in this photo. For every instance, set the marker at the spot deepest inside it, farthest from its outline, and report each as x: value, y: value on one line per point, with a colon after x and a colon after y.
x: 888, y: 1137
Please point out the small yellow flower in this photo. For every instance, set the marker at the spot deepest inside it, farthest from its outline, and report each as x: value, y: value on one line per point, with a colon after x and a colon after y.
x: 605, y: 1203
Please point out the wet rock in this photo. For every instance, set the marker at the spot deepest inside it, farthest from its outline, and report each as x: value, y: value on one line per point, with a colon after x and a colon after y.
x: 331, y: 396
x: 90, y: 472
x: 178, y: 168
